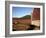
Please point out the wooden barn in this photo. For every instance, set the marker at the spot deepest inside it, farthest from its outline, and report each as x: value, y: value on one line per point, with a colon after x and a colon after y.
x: 36, y: 17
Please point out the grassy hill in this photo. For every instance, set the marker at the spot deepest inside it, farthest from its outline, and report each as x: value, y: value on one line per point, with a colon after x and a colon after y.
x: 27, y: 16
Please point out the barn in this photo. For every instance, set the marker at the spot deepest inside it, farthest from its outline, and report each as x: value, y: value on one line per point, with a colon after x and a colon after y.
x: 36, y: 17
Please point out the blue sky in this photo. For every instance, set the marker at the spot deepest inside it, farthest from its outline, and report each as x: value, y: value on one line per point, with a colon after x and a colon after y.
x: 21, y: 11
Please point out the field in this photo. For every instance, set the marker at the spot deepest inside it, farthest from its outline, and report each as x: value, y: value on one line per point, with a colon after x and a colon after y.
x: 22, y: 24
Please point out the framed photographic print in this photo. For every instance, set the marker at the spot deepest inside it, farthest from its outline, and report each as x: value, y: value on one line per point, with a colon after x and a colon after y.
x: 24, y: 18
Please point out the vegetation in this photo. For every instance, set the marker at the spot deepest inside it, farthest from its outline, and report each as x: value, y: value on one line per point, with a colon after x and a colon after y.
x: 27, y: 16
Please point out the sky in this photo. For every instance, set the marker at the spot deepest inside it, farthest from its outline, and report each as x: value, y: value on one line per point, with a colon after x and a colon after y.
x: 21, y: 11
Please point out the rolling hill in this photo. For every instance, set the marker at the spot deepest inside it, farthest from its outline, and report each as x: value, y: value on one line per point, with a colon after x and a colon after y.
x: 27, y: 16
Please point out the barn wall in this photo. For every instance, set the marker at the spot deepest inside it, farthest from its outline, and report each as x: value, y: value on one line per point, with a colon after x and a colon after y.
x: 36, y: 17
x: 36, y: 22
x: 36, y: 14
